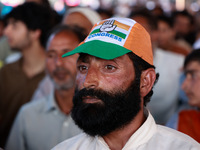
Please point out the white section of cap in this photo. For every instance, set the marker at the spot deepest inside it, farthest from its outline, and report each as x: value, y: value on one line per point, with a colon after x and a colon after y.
x: 112, y: 38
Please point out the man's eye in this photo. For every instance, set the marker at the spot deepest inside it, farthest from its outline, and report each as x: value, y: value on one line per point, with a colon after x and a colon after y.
x: 191, y: 74
x: 82, y: 68
x: 110, y: 67
x: 51, y: 55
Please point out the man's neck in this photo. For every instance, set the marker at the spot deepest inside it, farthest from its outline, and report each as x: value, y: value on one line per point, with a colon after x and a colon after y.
x: 33, y: 60
x: 64, y: 100
x: 116, y: 140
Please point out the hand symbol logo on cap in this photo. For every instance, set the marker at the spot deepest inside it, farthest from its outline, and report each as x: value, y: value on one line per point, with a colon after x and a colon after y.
x: 108, y: 26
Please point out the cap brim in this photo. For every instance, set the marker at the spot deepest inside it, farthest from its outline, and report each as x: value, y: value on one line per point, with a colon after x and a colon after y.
x: 99, y: 49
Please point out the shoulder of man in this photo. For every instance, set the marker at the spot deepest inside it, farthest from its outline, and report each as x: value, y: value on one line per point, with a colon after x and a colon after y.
x: 10, y: 66
x: 175, y: 140
x: 81, y: 141
x: 34, y: 107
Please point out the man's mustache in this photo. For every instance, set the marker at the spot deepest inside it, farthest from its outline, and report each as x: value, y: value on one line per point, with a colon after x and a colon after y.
x: 99, y: 94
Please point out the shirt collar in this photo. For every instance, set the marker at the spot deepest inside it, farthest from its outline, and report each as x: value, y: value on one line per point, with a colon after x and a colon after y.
x: 142, y: 135
x: 51, y: 102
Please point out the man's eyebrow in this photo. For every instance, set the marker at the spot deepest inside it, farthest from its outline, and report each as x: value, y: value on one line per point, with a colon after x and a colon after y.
x: 66, y: 50
x: 63, y: 50
x: 190, y: 71
x: 83, y: 58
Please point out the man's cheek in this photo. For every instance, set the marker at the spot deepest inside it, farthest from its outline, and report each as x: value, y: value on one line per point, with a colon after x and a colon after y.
x: 79, y: 81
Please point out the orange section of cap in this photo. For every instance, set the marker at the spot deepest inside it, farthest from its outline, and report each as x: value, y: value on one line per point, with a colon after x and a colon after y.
x: 139, y: 43
x: 121, y: 25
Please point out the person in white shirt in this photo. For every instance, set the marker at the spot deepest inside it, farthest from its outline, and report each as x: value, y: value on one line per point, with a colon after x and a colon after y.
x: 82, y: 17
x: 115, y: 77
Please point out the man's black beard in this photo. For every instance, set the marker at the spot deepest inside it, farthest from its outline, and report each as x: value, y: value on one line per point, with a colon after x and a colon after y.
x: 116, y: 110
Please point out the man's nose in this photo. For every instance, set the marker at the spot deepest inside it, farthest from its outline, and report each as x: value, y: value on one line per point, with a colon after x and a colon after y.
x: 58, y: 60
x: 91, y: 78
x: 185, y: 84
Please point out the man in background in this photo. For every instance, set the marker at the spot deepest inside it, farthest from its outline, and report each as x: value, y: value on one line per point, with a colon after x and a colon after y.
x: 81, y: 17
x: 26, y: 30
x: 42, y: 124
x: 187, y: 119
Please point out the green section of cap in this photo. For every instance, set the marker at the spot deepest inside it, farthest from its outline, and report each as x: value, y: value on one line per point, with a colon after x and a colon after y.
x: 95, y: 31
x: 120, y: 34
x: 99, y: 49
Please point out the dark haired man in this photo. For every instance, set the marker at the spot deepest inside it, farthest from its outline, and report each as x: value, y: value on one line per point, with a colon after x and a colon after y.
x: 115, y: 76
x: 183, y: 24
x: 26, y: 30
x: 82, y: 17
x: 167, y: 40
x: 187, y: 119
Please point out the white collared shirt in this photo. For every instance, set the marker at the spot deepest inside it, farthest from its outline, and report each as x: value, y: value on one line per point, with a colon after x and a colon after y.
x: 148, y: 137
x: 40, y: 125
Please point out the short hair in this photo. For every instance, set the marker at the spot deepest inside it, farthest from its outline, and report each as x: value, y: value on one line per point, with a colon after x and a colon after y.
x: 193, y: 56
x: 166, y: 19
x: 34, y: 16
x: 139, y: 66
x: 145, y: 13
x: 78, y: 31
x: 45, y: 3
x: 183, y: 13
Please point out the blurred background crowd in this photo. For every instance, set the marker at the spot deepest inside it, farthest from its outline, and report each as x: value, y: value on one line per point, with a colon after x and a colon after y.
x: 174, y: 27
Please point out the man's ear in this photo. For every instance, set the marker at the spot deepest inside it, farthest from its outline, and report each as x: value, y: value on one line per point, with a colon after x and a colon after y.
x: 147, y: 80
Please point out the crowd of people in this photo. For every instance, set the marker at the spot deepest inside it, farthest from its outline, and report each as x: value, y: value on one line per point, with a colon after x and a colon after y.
x: 93, y: 80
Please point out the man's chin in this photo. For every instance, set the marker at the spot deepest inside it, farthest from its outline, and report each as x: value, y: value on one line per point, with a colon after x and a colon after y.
x: 63, y: 85
x: 15, y: 49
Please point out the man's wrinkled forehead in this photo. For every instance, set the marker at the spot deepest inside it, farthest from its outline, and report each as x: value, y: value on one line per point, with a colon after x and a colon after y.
x: 86, y: 58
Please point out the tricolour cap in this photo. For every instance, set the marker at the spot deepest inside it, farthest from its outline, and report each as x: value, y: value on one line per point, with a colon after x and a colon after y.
x: 114, y: 37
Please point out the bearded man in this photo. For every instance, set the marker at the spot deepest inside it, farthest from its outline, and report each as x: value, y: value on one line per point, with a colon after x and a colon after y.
x: 115, y: 76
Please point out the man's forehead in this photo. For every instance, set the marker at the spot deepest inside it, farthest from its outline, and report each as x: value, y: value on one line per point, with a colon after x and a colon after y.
x: 83, y: 57
x: 13, y: 20
x: 192, y: 64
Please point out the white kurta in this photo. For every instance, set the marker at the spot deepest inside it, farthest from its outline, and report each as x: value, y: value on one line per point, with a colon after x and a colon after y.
x: 148, y: 137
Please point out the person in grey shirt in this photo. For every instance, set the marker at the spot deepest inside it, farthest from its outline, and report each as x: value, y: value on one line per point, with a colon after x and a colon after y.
x: 42, y: 124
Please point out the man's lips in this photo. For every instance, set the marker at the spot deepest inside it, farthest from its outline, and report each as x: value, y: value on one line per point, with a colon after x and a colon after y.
x: 91, y: 100
x: 189, y: 95
x: 60, y: 75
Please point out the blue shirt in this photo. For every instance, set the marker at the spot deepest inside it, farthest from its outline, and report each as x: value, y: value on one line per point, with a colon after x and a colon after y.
x: 40, y: 125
